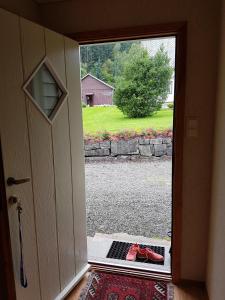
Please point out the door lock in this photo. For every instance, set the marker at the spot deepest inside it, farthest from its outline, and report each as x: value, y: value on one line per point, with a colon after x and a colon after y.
x: 13, y: 200
x: 12, y: 181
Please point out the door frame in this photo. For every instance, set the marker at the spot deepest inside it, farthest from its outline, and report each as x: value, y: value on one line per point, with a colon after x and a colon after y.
x: 179, y: 30
x: 7, y: 283
x: 164, y: 30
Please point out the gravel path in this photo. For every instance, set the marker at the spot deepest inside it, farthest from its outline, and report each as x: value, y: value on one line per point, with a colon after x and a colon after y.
x: 130, y: 197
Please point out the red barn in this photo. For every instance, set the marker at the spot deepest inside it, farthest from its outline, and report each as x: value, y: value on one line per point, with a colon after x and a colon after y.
x: 96, y: 91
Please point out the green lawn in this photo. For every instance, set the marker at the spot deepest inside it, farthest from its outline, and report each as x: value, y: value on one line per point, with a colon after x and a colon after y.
x: 111, y: 119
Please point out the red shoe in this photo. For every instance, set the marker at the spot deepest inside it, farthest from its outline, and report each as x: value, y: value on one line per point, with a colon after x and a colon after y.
x: 132, y: 252
x: 149, y: 254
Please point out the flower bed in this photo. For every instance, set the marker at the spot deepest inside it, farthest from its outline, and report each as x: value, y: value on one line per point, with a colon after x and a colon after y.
x: 127, y: 135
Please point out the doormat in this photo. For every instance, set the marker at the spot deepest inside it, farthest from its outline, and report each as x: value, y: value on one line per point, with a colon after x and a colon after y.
x: 118, y: 250
x: 107, y: 286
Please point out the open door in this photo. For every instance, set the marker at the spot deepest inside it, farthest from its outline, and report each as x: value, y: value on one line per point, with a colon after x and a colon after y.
x: 41, y: 136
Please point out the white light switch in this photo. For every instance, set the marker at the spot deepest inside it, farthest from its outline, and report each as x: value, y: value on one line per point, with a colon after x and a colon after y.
x: 192, y: 127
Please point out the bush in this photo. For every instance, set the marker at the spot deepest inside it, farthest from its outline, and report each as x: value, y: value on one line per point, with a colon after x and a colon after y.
x: 83, y: 104
x: 144, y: 84
x: 127, y: 135
x: 170, y: 105
x: 105, y: 136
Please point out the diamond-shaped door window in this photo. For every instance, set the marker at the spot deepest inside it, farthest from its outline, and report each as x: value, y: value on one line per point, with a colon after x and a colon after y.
x: 46, y: 90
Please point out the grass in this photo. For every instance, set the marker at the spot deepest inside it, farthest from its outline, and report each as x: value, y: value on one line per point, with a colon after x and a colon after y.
x: 111, y: 119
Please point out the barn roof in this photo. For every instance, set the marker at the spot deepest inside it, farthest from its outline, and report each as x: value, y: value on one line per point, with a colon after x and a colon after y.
x: 108, y: 85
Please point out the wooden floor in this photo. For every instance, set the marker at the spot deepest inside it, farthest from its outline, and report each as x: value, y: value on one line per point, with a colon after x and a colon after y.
x: 187, y: 292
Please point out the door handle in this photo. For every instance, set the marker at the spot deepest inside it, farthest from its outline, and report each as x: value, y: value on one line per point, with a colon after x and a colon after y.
x: 13, y: 181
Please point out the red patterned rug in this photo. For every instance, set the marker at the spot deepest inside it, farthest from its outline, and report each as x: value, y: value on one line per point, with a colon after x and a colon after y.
x: 106, y: 286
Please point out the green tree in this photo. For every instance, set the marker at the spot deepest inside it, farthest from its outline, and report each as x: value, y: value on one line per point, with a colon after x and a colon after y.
x: 104, y: 60
x: 83, y: 70
x: 113, y: 68
x: 144, y: 83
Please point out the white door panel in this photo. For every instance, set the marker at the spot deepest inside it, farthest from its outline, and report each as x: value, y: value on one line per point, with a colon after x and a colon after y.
x: 50, y: 153
x: 76, y: 135
x: 16, y: 153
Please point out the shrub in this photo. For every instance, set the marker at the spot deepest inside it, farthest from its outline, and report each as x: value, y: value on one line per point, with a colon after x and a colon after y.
x: 144, y: 83
x: 127, y: 135
x: 170, y: 105
x: 149, y: 133
x: 105, y: 136
x: 83, y: 104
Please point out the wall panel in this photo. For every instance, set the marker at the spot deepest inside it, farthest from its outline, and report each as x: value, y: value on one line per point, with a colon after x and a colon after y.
x: 62, y: 166
x: 216, y: 248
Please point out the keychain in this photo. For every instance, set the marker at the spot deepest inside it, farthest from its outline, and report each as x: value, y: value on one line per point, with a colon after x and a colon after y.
x: 23, y: 279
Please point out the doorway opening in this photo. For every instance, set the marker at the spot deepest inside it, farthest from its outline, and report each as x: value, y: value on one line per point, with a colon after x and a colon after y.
x: 89, y: 99
x: 128, y: 137
x: 56, y: 213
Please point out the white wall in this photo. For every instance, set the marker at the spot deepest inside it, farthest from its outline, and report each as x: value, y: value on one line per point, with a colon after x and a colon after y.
x: 216, y: 255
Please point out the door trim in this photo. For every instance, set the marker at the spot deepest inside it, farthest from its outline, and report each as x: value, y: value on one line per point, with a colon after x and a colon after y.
x: 128, y: 33
x: 130, y: 271
x: 46, y: 61
x: 65, y: 292
x: 7, y: 282
x: 179, y: 30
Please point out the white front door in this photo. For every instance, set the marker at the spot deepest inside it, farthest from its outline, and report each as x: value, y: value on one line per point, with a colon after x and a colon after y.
x: 41, y: 137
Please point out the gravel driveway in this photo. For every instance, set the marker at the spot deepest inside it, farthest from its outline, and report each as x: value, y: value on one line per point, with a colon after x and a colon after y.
x: 131, y: 197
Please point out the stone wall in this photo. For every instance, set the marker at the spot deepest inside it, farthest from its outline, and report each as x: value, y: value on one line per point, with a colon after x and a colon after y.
x: 138, y: 146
